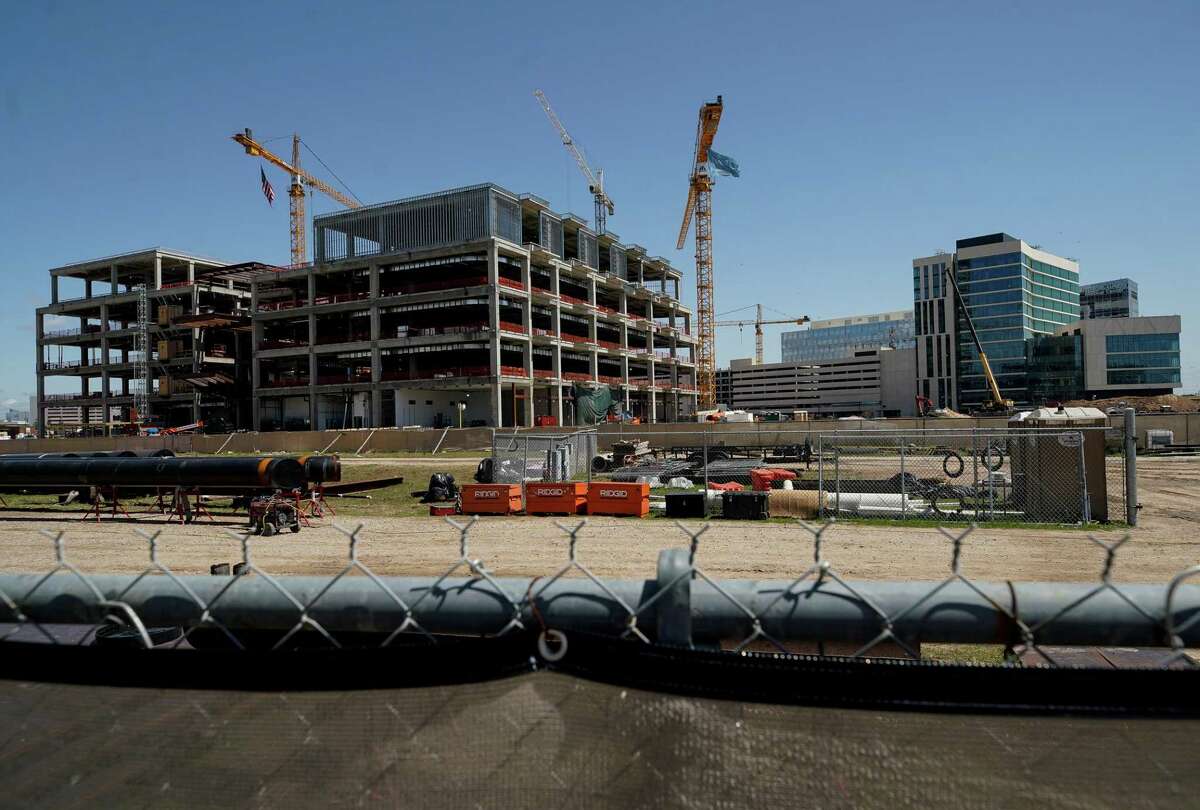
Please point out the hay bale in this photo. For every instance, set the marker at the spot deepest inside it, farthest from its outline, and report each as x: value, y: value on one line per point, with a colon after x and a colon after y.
x: 801, y: 503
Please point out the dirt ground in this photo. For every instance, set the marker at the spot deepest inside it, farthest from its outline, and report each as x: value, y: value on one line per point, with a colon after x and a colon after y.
x: 1166, y: 541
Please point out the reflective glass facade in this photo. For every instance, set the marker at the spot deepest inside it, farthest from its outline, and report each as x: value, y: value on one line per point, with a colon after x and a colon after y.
x: 1055, y: 368
x: 1012, y: 298
x: 835, y: 342
x: 1142, y: 359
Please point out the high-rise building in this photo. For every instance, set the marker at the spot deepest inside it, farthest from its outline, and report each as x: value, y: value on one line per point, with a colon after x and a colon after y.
x: 935, y: 325
x: 1013, y: 291
x: 840, y: 337
x: 1109, y: 299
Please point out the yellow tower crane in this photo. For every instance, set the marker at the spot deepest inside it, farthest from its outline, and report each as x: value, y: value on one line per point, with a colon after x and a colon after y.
x: 699, y: 203
x: 300, y: 178
x: 758, y: 332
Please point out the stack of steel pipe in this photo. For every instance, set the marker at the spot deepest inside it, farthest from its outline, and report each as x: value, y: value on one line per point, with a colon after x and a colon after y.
x: 246, y: 472
x: 163, y: 453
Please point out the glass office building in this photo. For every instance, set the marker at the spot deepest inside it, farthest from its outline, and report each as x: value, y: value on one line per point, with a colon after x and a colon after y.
x: 1014, y: 292
x: 1109, y: 299
x: 841, y: 337
x: 934, y: 320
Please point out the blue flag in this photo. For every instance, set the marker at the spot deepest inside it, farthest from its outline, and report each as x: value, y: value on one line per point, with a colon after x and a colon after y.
x: 724, y: 164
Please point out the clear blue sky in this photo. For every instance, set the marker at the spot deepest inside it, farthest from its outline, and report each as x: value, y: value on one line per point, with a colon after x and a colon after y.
x: 867, y: 134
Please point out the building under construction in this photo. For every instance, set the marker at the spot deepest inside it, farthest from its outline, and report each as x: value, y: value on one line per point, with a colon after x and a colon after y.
x: 474, y: 304
x: 156, y: 337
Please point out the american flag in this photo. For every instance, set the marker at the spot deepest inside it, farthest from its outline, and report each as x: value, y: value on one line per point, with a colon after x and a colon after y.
x: 268, y: 192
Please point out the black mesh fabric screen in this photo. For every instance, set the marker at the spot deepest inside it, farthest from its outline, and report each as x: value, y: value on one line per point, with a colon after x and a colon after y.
x: 524, y: 736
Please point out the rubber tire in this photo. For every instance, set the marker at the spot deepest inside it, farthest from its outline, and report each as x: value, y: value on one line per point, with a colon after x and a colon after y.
x: 988, y: 453
x: 946, y: 464
x: 268, y: 529
x: 295, y: 527
x: 933, y: 504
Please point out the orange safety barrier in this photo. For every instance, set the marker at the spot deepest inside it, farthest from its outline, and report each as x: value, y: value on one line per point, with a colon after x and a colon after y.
x: 563, y: 498
x: 491, y: 499
x: 609, y: 498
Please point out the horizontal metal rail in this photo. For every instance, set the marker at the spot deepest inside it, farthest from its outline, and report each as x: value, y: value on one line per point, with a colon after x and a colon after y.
x: 816, y: 608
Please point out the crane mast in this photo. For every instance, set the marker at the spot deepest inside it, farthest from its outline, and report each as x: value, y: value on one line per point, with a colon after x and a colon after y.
x: 296, y: 192
x: 604, y: 205
x: 296, y: 217
x: 699, y: 204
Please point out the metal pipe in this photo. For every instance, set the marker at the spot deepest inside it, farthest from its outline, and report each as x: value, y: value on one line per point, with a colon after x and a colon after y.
x: 245, y: 471
x: 319, y: 469
x: 161, y: 453
x: 825, y: 612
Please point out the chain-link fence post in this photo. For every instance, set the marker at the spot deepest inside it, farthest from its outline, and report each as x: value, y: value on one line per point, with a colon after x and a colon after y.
x: 975, y: 469
x: 821, y: 475
x: 1085, y: 512
x: 705, y: 434
x: 903, y: 483
x: 837, y: 476
x: 525, y: 459
x: 1131, y: 508
x: 991, y: 478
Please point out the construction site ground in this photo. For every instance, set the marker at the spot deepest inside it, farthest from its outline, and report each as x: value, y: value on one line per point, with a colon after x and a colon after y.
x: 400, y: 538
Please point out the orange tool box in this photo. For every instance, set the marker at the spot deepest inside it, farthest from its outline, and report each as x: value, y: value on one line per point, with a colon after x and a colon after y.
x: 608, y: 498
x: 491, y: 499
x: 563, y: 498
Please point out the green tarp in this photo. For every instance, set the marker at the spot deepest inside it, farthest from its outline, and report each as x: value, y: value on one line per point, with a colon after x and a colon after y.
x: 592, y: 404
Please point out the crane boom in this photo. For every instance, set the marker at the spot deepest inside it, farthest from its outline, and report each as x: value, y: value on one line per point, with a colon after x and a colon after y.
x: 758, y: 324
x: 998, y: 403
x: 295, y: 191
x: 604, y: 205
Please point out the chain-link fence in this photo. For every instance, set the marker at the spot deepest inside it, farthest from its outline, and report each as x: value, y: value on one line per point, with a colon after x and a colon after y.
x: 470, y: 687
x: 1041, y: 475
x: 520, y: 457
x: 811, y: 608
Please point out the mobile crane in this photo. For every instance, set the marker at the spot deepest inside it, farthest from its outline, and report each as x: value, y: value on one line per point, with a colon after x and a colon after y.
x: 997, y: 404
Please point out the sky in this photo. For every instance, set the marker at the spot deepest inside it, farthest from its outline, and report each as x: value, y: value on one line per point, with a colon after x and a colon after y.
x: 868, y: 133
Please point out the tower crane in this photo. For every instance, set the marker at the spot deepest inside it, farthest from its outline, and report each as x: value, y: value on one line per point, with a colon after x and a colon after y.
x: 300, y: 178
x: 604, y: 205
x: 699, y: 203
x: 758, y: 323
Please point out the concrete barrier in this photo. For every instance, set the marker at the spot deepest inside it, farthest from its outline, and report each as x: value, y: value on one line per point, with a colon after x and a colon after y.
x: 1186, y: 427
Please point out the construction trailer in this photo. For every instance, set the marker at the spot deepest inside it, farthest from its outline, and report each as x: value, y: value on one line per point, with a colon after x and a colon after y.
x: 474, y: 301
x: 154, y: 337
